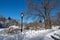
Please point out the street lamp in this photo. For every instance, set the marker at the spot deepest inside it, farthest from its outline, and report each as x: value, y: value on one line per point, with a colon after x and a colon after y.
x: 22, y: 15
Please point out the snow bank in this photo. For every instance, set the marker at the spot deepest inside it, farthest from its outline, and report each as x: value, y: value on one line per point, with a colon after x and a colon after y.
x: 12, y: 37
x: 55, y: 27
x: 13, y: 26
x: 35, y: 35
x: 32, y: 34
x: 1, y: 29
x: 27, y: 35
x: 55, y: 34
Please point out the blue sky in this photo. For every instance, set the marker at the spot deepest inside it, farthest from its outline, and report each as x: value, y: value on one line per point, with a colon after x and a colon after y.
x: 13, y: 8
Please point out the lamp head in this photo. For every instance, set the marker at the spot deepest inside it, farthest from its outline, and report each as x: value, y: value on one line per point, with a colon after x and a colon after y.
x: 22, y: 14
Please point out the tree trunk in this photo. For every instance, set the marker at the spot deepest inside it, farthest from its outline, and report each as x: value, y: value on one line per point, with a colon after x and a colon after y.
x: 47, y: 19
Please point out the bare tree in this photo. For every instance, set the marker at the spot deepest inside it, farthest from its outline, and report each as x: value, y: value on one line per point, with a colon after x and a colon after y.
x: 41, y: 9
x: 58, y: 18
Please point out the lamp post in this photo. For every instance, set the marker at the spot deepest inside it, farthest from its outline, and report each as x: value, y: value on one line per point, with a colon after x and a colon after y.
x: 22, y: 15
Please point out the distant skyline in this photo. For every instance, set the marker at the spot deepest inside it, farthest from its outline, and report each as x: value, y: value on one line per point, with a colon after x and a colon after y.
x: 13, y: 8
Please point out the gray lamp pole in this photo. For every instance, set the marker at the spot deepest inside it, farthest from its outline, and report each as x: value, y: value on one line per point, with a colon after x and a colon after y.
x: 22, y: 15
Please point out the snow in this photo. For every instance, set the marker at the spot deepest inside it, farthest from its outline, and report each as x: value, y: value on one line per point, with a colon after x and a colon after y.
x: 1, y: 29
x: 55, y: 27
x: 32, y: 34
x: 55, y: 34
x: 13, y: 26
x: 35, y: 35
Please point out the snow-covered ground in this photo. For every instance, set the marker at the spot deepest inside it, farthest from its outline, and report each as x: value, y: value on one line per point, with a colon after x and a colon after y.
x: 35, y: 35
x: 50, y: 36
x: 47, y: 34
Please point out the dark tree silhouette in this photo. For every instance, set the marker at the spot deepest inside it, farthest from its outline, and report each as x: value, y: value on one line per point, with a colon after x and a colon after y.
x: 9, y: 18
